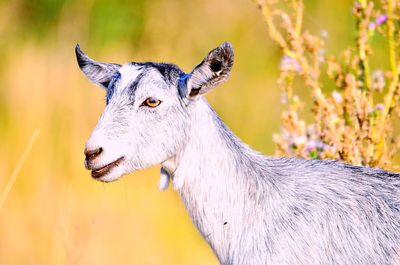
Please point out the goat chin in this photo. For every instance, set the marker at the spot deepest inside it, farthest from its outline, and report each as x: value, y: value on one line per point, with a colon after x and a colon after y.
x: 112, y: 175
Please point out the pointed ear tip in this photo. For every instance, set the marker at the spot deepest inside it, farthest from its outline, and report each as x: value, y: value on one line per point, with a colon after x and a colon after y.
x: 78, y: 49
x: 228, y: 51
x: 80, y: 56
x: 227, y: 46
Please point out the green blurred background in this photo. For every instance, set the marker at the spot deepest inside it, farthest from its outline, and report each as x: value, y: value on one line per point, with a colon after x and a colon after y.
x: 55, y: 213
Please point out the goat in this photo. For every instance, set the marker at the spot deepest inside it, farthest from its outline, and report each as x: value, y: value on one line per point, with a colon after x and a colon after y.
x: 251, y: 209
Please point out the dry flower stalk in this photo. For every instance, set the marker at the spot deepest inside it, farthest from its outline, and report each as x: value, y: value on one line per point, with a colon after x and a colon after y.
x: 352, y: 123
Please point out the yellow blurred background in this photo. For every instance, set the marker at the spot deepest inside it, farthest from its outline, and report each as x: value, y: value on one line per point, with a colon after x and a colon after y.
x: 55, y: 213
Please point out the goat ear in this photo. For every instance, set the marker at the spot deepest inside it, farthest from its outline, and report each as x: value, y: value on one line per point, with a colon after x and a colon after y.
x: 211, y: 72
x: 96, y: 72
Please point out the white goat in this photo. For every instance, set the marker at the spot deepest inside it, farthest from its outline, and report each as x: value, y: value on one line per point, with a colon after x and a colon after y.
x: 251, y: 209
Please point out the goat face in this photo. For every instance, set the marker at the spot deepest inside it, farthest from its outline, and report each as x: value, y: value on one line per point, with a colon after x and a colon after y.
x: 148, y: 110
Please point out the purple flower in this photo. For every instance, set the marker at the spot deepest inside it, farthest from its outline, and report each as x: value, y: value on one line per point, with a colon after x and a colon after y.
x: 381, y: 19
x: 380, y: 107
x: 371, y: 25
x: 311, y: 145
x: 321, y: 146
x: 290, y: 64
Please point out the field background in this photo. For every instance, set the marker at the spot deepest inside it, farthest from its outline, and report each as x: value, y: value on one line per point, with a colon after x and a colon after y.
x: 55, y: 213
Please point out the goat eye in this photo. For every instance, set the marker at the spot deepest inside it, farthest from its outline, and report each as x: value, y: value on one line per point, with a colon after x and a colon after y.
x: 151, y: 102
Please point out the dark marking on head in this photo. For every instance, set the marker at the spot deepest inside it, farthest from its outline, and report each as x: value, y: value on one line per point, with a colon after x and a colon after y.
x: 170, y: 72
x: 111, y: 86
x: 134, y: 85
x: 225, y: 223
x: 182, y: 84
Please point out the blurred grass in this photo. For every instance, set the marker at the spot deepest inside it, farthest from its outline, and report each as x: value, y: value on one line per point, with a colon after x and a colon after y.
x: 55, y: 213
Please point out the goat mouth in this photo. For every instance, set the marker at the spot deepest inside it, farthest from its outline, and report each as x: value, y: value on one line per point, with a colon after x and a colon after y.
x: 98, y: 173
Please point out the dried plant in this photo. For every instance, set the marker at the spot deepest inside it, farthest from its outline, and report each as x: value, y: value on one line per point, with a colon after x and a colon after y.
x: 354, y: 121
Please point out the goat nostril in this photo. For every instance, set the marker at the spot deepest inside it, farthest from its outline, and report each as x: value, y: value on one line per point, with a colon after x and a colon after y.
x: 91, y: 154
